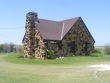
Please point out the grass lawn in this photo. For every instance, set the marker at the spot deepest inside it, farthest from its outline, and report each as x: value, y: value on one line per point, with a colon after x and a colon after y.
x: 14, y: 69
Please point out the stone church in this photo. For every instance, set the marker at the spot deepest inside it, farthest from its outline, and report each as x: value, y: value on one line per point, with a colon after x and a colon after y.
x: 62, y: 38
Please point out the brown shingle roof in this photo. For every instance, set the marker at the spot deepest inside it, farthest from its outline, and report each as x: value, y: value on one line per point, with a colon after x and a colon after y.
x: 55, y: 30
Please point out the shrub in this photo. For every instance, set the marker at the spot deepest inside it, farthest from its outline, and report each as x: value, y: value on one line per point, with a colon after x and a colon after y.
x: 49, y: 54
x: 96, y: 54
x: 96, y: 50
x: 1, y: 48
x: 107, y: 50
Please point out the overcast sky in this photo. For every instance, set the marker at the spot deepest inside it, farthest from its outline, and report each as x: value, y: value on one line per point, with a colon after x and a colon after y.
x: 95, y: 13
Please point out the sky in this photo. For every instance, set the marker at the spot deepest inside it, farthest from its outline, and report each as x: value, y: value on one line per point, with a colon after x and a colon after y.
x: 95, y: 14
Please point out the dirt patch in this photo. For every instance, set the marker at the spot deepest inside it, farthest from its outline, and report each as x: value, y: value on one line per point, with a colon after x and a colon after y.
x: 101, y: 67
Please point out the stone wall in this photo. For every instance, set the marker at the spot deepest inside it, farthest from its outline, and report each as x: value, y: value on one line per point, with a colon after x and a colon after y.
x: 81, y: 39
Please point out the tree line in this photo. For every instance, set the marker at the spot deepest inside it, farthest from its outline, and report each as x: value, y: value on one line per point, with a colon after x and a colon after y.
x: 6, y: 48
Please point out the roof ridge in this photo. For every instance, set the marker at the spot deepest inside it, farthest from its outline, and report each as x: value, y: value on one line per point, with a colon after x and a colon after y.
x: 48, y: 20
x: 69, y: 19
x: 61, y: 20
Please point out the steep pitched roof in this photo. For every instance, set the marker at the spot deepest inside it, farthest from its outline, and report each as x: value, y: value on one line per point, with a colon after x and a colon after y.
x: 55, y: 30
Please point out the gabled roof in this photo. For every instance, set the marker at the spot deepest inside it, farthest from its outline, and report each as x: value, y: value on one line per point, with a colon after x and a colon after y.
x: 55, y: 30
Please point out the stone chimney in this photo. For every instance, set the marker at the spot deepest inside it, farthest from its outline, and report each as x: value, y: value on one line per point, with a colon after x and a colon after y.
x: 33, y: 44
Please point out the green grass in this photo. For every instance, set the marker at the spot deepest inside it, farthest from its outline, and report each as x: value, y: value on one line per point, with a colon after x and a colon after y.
x: 74, y: 60
x: 14, y: 69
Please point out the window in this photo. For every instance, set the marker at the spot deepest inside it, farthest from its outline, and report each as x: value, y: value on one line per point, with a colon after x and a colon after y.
x: 85, y: 46
x: 71, y: 46
x: 60, y: 45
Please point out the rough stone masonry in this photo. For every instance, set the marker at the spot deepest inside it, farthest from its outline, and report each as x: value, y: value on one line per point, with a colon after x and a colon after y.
x: 33, y: 45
